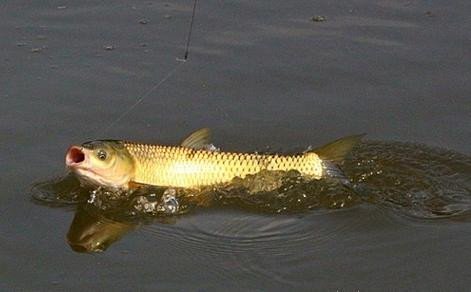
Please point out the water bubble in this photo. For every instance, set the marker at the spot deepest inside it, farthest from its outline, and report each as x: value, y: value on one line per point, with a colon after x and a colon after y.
x: 92, y: 198
x: 170, y: 202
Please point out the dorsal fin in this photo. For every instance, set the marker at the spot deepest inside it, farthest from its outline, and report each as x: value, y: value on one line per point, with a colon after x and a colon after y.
x: 337, y: 151
x: 198, y: 139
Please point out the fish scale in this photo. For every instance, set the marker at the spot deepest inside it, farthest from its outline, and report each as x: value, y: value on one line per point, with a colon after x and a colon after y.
x: 187, y: 167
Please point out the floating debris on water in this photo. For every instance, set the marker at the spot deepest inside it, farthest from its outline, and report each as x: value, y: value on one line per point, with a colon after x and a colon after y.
x: 318, y: 18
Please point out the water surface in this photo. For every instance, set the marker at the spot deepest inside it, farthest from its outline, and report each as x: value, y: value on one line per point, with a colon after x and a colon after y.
x: 261, y: 73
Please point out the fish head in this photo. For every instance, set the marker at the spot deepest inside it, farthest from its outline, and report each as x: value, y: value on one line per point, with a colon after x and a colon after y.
x: 101, y: 163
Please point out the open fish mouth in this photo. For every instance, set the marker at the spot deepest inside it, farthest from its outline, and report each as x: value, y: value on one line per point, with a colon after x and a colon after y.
x: 74, y: 156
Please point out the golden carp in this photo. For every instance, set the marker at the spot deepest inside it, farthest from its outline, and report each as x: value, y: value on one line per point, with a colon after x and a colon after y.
x: 119, y: 164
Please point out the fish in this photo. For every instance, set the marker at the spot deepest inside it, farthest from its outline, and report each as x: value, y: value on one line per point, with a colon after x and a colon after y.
x: 123, y: 165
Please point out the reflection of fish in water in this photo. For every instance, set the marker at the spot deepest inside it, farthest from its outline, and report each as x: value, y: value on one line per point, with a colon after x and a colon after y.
x: 91, y: 232
x: 119, y: 164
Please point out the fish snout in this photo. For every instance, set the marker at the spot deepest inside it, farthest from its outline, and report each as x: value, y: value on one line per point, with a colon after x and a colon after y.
x: 74, y: 156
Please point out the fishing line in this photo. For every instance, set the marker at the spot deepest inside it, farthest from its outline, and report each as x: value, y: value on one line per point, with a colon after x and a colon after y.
x: 187, y: 49
x: 164, y: 79
x: 169, y: 74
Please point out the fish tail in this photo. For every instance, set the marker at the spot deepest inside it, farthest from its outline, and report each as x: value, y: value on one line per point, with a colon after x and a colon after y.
x: 334, y: 153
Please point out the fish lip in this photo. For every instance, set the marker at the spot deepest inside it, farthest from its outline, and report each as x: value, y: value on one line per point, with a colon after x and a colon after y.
x: 75, y: 156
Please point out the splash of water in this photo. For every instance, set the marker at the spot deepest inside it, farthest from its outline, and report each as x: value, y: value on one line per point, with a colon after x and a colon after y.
x: 415, y: 180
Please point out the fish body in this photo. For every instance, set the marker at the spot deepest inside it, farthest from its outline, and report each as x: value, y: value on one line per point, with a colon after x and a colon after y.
x: 188, y: 167
x: 119, y: 164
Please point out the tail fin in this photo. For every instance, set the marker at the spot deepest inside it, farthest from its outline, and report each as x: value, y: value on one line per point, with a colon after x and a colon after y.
x: 337, y: 151
x: 334, y: 153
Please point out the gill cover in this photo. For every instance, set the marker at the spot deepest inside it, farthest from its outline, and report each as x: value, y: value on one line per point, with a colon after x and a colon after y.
x: 111, y: 163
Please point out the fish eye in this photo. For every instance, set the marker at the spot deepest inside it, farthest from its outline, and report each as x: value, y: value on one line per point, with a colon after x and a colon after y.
x: 101, y: 154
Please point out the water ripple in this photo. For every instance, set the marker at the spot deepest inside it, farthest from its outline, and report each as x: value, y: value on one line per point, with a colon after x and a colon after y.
x: 252, y: 244
x: 411, y: 180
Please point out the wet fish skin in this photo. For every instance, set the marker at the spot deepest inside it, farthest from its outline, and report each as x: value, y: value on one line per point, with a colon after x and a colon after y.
x: 187, y: 167
x: 120, y: 164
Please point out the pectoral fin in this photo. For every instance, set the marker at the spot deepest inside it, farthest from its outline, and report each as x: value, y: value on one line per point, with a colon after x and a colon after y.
x: 198, y: 139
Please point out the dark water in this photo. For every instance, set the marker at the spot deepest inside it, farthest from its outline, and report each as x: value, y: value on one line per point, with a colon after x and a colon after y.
x: 261, y: 74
